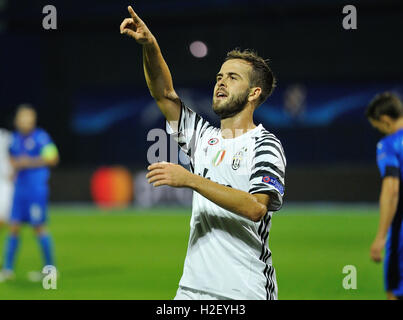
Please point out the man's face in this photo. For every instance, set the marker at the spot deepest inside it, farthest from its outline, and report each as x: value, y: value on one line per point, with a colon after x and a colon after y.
x: 231, y: 90
x: 25, y: 120
x: 382, y: 126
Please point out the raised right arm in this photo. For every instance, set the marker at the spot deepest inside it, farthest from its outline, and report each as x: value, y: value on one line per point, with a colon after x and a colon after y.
x: 157, y: 74
x: 159, y: 81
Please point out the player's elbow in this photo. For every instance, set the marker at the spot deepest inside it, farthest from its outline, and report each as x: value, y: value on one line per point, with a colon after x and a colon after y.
x: 257, y: 212
x: 53, y: 162
x: 167, y: 94
x: 13, y: 162
x: 56, y: 162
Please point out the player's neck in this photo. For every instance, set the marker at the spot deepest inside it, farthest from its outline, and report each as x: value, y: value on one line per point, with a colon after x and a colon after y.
x: 237, y: 125
x: 26, y: 133
x: 398, y: 125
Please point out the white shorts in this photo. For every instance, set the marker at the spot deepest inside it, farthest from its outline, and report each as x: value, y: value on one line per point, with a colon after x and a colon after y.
x: 185, y: 293
x: 6, y: 199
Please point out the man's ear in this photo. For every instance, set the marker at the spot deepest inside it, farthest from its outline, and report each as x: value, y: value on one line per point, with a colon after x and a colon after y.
x: 254, y: 94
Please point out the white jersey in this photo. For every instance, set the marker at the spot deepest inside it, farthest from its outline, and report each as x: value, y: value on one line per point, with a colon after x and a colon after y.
x: 228, y: 255
x: 6, y: 185
x: 5, y: 166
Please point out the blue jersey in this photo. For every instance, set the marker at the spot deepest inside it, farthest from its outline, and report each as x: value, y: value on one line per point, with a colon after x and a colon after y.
x: 389, y: 155
x: 390, y: 163
x: 31, y: 145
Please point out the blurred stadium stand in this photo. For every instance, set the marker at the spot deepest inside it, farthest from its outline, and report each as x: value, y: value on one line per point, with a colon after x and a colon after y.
x: 87, y: 82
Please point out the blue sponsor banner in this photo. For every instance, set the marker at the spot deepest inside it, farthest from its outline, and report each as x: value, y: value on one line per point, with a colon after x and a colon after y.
x: 290, y: 106
x: 316, y: 123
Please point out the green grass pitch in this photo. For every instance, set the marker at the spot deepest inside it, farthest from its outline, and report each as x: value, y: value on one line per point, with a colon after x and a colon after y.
x: 139, y: 254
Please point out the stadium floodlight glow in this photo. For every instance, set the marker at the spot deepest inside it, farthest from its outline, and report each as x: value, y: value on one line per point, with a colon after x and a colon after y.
x: 198, y: 49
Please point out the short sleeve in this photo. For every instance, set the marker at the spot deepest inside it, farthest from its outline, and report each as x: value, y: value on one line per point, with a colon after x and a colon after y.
x: 387, y: 160
x: 188, y: 130
x: 43, y: 139
x: 48, y: 149
x: 13, y: 146
x: 268, y: 170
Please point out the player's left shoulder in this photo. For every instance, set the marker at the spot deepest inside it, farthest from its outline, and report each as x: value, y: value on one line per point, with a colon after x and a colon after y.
x: 264, y: 135
x: 397, y: 139
x: 39, y: 130
x: 268, y: 146
x: 391, y: 142
x: 42, y: 136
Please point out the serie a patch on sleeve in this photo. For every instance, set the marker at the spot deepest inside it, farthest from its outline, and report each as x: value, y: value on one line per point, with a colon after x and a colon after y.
x: 273, y: 182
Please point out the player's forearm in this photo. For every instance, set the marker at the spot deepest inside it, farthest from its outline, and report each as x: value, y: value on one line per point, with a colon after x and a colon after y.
x: 236, y: 201
x: 388, y: 205
x: 157, y: 74
x: 33, y: 162
x: 156, y: 71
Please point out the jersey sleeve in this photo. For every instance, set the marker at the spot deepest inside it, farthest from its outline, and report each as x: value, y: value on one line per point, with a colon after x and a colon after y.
x: 387, y: 160
x: 48, y: 149
x: 268, y: 170
x: 188, y: 130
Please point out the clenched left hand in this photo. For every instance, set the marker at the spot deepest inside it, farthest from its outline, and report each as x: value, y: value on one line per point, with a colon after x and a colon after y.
x: 376, y: 249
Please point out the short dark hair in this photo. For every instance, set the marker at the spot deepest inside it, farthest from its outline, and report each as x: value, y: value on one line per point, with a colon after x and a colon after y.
x: 386, y: 103
x: 25, y: 106
x: 261, y: 76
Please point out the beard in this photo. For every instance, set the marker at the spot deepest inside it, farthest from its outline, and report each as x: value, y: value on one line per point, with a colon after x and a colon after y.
x: 231, y: 107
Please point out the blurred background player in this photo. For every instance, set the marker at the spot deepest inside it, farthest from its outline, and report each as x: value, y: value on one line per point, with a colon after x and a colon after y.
x: 385, y: 113
x: 6, y: 177
x: 32, y: 152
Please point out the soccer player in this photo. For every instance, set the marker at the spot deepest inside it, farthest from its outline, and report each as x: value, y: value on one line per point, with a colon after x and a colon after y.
x: 385, y: 113
x: 237, y: 174
x: 32, y: 152
x: 6, y: 177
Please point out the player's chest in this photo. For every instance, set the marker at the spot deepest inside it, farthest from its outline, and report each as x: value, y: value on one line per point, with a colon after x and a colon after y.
x: 28, y: 146
x: 223, y: 157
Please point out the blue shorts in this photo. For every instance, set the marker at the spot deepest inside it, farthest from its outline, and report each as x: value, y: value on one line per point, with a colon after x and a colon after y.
x: 29, y: 207
x: 393, y: 262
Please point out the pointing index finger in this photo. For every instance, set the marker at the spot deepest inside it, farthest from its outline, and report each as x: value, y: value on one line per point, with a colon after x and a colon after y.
x: 134, y: 16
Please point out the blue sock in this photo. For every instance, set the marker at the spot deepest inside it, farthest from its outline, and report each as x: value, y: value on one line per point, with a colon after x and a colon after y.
x: 46, y: 244
x: 11, y: 249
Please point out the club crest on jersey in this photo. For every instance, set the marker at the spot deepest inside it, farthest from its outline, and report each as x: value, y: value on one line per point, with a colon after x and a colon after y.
x: 29, y: 143
x: 219, y: 157
x: 213, y: 141
x: 237, y: 158
x: 274, y: 182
